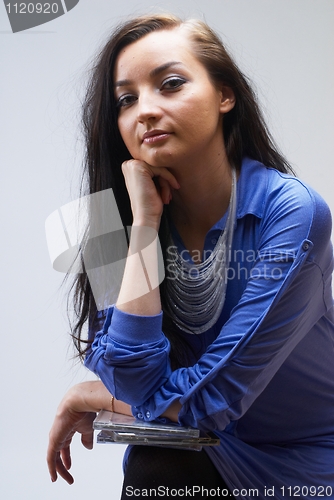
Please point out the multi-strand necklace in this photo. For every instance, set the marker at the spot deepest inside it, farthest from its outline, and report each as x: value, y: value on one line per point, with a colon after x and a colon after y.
x: 196, y: 292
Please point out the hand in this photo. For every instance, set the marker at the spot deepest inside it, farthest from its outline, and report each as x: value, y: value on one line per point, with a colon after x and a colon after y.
x: 67, y: 422
x: 146, y: 199
x: 76, y: 413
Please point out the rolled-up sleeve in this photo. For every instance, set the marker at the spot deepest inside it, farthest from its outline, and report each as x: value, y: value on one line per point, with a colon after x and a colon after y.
x: 130, y: 355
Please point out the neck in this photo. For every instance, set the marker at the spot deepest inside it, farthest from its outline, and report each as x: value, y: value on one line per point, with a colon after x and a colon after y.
x: 203, y: 197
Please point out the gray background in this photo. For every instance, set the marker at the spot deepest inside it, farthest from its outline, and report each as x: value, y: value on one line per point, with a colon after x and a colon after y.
x: 285, y: 46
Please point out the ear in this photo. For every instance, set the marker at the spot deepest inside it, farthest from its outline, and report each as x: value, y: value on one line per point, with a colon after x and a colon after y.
x: 227, y: 101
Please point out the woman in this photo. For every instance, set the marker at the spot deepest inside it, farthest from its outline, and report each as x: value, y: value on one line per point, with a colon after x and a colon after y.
x: 244, y: 343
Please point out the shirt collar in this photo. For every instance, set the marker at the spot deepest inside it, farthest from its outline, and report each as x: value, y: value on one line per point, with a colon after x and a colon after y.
x: 252, y: 187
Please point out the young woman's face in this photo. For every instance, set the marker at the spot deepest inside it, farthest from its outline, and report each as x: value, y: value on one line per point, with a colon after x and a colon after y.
x: 169, y: 110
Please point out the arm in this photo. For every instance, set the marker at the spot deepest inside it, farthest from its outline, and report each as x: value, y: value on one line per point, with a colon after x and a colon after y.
x: 264, y: 327
x: 76, y: 413
x: 274, y: 314
x: 147, y: 205
x: 78, y: 408
x: 238, y: 366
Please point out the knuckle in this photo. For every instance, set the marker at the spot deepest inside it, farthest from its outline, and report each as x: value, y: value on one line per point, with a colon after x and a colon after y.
x: 135, y: 166
x: 130, y: 164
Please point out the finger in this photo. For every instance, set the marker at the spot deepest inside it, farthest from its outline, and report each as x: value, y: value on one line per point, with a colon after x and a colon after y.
x: 165, y: 190
x: 55, y: 465
x: 66, y: 457
x: 164, y: 173
x: 51, y: 461
x: 87, y: 440
x: 55, y: 449
x: 152, y: 171
x: 63, y: 472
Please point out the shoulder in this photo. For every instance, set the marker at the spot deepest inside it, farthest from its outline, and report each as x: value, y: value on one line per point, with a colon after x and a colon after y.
x: 271, y: 195
x: 289, y: 196
x: 286, y: 208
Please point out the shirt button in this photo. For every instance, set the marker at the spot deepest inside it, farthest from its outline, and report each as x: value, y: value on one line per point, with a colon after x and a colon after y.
x: 305, y: 247
x: 214, y: 241
x: 148, y: 414
x: 140, y: 415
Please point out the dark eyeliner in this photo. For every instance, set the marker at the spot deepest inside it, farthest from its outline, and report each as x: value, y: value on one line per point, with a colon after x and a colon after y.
x: 120, y: 102
x: 179, y: 79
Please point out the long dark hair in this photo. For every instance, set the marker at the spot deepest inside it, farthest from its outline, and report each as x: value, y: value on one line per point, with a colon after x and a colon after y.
x: 244, y: 129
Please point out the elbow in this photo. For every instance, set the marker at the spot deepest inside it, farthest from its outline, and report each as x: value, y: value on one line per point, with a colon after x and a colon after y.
x: 136, y: 391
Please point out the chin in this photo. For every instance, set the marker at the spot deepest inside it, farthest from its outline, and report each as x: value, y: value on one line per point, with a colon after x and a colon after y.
x: 160, y: 159
x: 156, y: 158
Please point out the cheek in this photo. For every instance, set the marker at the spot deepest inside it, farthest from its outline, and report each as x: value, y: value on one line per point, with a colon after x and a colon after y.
x: 197, y: 118
x: 196, y: 108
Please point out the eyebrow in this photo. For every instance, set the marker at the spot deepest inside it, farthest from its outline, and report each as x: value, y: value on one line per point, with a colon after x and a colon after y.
x: 153, y: 72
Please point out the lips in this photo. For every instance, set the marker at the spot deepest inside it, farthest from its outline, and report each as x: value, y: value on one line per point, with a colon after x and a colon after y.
x: 153, y: 136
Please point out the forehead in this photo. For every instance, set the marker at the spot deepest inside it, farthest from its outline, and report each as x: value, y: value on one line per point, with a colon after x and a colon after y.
x: 155, y: 49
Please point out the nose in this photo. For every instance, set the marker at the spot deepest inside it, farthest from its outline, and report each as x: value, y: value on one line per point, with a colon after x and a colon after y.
x: 148, y: 106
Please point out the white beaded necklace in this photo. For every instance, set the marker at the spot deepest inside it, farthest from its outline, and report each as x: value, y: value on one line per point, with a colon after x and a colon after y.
x: 196, y: 292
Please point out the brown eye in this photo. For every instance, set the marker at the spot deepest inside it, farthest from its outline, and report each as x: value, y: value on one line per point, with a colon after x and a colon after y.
x: 173, y: 83
x: 126, y: 100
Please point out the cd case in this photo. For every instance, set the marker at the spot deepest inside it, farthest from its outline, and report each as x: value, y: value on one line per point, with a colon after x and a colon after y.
x: 125, y: 429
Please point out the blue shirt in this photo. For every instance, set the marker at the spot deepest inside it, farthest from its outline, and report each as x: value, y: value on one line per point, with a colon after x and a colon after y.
x: 263, y: 377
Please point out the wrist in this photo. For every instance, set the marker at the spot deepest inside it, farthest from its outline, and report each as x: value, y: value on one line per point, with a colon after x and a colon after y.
x: 82, y: 397
x: 73, y: 401
x: 150, y: 222
x: 142, y: 237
